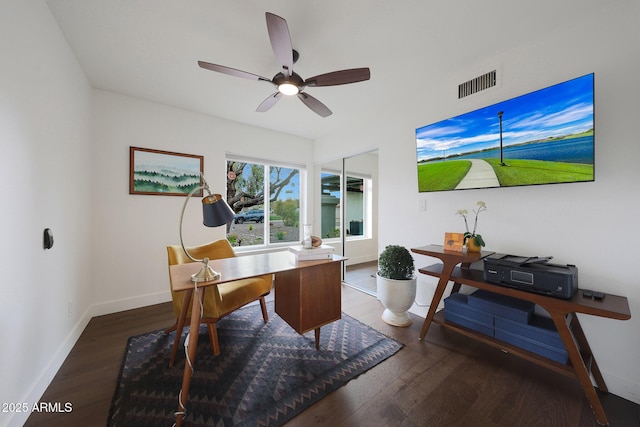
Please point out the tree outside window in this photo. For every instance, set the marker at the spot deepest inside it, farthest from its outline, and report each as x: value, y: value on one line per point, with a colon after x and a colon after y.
x: 263, y: 217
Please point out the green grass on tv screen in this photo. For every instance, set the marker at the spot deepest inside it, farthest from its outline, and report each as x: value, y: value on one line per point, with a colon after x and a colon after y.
x: 443, y: 176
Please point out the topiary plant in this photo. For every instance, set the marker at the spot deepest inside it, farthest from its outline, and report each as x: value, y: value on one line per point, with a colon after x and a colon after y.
x: 395, y: 262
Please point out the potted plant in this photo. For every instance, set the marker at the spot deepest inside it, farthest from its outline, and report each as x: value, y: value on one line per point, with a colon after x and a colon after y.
x: 473, y: 241
x: 396, y: 284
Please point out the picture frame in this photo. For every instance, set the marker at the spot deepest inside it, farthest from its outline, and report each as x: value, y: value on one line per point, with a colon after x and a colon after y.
x: 164, y: 173
x: 454, y: 241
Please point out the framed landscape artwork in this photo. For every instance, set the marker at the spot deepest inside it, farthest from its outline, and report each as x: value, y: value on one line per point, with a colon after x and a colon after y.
x: 165, y: 173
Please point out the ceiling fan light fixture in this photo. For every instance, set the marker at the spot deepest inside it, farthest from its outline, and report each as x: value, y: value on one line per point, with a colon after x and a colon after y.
x: 287, y: 81
x: 288, y: 89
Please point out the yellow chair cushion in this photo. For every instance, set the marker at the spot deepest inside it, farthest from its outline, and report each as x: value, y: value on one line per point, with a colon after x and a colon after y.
x: 225, y: 297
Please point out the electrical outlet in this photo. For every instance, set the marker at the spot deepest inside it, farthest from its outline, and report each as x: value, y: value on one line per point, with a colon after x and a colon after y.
x: 69, y: 309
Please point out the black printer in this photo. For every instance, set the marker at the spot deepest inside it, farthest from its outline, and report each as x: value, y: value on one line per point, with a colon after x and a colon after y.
x: 532, y: 274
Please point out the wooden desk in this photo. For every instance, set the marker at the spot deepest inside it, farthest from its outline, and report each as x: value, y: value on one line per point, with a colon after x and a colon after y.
x: 307, y: 294
x: 582, y: 363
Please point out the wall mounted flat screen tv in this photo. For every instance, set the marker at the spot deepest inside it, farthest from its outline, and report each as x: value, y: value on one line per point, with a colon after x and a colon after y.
x: 543, y: 137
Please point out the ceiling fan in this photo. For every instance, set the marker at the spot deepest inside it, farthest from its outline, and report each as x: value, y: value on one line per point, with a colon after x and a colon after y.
x: 287, y: 81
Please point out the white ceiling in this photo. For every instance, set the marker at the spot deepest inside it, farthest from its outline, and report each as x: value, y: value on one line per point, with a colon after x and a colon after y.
x: 150, y: 48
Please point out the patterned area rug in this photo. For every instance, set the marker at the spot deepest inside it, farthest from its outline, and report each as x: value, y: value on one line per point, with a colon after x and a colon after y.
x: 265, y: 375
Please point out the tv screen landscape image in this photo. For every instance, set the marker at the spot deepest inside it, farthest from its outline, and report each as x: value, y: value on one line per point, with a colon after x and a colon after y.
x: 543, y: 137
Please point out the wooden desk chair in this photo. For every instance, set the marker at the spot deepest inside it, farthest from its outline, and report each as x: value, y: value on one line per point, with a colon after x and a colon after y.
x: 219, y: 300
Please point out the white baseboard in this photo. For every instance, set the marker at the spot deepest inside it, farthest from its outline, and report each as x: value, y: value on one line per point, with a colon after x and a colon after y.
x: 360, y: 259
x: 622, y: 387
x: 123, y: 304
x: 38, y: 388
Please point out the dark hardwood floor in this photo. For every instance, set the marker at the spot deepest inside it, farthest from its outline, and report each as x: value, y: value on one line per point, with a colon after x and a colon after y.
x: 445, y: 380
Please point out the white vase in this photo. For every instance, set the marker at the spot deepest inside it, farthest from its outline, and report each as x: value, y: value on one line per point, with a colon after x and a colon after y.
x: 397, y: 296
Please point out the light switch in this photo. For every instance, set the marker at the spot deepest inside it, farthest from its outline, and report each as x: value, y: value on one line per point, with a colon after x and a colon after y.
x: 47, y: 239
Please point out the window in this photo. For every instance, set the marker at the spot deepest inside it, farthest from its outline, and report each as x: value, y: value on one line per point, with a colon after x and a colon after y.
x: 356, y: 206
x: 357, y: 200
x: 266, y: 201
x: 330, y: 202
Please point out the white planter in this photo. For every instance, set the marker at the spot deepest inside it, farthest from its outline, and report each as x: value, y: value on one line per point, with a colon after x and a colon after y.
x: 397, y: 296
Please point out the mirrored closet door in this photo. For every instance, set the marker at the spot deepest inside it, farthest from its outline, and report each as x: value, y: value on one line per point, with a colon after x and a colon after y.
x: 348, y: 215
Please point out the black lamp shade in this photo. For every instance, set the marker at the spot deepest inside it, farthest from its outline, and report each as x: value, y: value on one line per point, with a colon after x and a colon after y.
x: 215, y: 211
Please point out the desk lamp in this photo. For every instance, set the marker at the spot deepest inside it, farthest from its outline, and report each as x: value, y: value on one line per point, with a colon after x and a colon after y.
x: 215, y: 212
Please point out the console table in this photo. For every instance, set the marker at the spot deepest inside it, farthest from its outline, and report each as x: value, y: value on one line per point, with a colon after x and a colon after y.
x: 582, y: 364
x: 307, y: 294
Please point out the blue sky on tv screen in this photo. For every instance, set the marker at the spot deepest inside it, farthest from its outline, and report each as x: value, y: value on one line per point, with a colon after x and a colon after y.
x: 559, y: 110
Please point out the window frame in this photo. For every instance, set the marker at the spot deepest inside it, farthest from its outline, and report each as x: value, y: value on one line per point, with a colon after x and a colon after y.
x: 302, y: 200
x: 367, y: 205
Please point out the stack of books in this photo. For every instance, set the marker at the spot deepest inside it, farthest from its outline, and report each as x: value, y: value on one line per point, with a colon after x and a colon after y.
x: 321, y: 252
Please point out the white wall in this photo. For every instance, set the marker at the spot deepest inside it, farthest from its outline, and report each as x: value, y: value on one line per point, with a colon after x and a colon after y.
x: 132, y: 231
x: 45, y: 178
x: 588, y: 224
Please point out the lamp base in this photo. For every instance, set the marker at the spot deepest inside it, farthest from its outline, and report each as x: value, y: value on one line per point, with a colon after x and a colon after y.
x: 206, y: 274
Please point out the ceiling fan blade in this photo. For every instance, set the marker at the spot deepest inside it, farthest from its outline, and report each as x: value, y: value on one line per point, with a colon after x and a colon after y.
x: 231, y: 71
x: 280, y: 42
x: 315, y: 105
x: 339, y: 77
x: 268, y: 103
